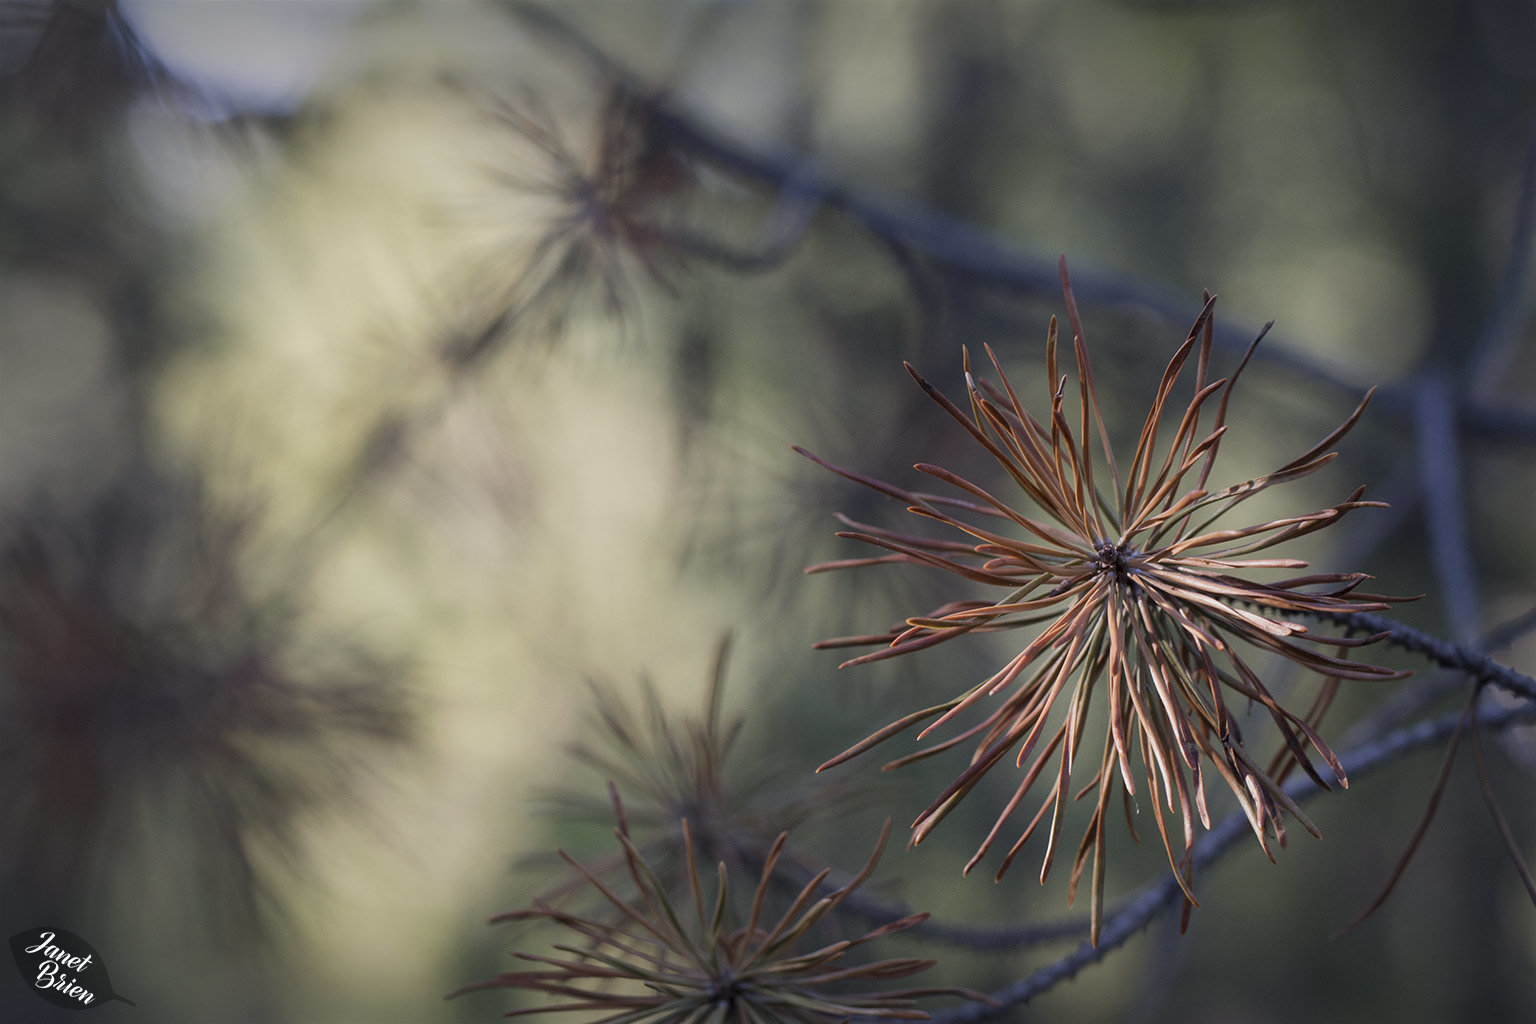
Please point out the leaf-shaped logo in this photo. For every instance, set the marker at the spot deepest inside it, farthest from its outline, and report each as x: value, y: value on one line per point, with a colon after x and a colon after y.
x: 62, y: 967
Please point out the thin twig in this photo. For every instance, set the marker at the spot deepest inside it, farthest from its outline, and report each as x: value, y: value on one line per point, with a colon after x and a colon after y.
x: 1447, y: 763
x: 1510, y: 630
x: 981, y: 938
x: 1411, y: 698
x: 976, y: 255
x: 1143, y: 909
x: 978, y: 938
x: 1471, y: 663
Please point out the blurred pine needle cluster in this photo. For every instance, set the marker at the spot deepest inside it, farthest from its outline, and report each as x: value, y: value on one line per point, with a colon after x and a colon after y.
x: 351, y: 415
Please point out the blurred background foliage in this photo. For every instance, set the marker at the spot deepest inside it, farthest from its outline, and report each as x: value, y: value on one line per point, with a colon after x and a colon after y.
x: 374, y: 372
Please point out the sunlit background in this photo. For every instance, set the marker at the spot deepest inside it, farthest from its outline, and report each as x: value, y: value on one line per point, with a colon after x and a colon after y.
x: 331, y: 466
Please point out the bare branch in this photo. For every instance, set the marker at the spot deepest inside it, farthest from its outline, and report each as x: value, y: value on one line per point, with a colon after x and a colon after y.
x: 970, y: 253
x: 1157, y: 899
x: 1442, y: 484
x: 1500, y: 337
x: 1471, y: 663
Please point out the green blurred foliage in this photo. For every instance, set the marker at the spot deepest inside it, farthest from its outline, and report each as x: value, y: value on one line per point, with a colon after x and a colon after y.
x: 281, y: 252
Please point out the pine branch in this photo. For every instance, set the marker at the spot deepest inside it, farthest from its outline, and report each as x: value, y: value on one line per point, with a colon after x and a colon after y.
x: 1471, y: 663
x: 975, y: 255
x: 1132, y: 917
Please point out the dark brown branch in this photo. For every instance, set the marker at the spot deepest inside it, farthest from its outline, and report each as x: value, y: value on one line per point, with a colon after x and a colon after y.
x: 1470, y: 663
x: 1411, y: 698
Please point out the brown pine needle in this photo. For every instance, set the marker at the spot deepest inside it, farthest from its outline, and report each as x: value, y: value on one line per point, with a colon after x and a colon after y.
x: 1485, y: 782
x: 1423, y: 827
x: 1132, y: 588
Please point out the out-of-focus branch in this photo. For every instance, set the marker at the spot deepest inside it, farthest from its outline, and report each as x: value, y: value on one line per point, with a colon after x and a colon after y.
x: 962, y: 252
x: 1511, y: 305
x: 970, y: 253
x: 781, y: 235
x: 982, y: 938
x: 1441, y: 482
x: 1442, y: 476
x: 1125, y: 922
